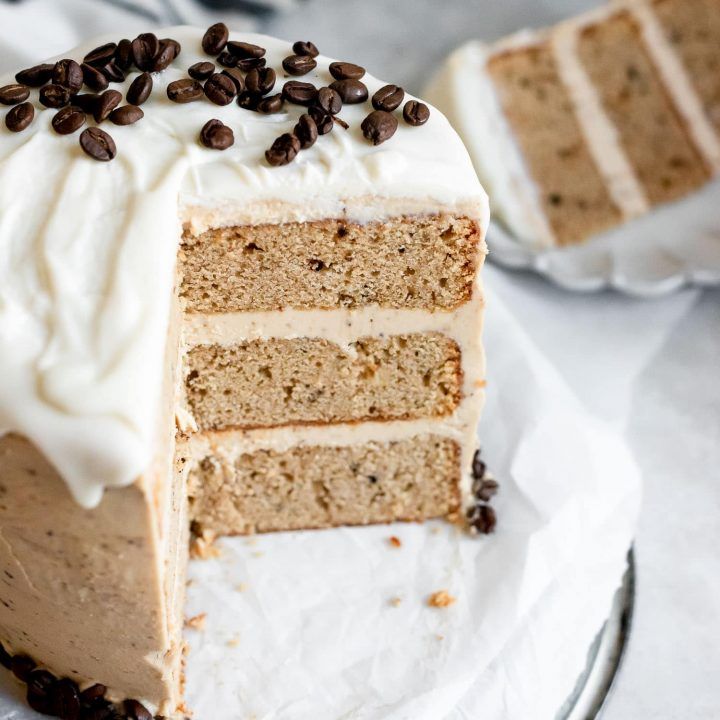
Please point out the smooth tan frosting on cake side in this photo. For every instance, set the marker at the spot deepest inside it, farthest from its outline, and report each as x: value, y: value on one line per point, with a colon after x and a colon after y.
x: 89, y: 249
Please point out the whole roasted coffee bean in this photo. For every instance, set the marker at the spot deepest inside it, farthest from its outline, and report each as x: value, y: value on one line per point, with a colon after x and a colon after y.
x: 145, y: 48
x: 123, y: 55
x: 379, y: 126
x: 329, y: 100
x: 140, y: 89
x: 17, y: 119
x: 106, y: 103
x: 478, y: 466
x: 65, y: 699
x: 93, y: 78
x: 86, y: 102
x: 299, y: 93
x: 39, y: 686
x: 260, y: 80
x: 484, y: 489
x: 237, y: 77
x: 249, y: 100
x: 35, y: 76
x: 54, y: 96
x: 323, y: 121
x: 227, y: 59
x: 201, y: 70
x: 101, y: 55
x: 305, y: 47
x: 482, y: 519
x: 283, y: 151
x: 351, y: 92
x: 306, y: 131
x: 22, y: 665
x: 136, y: 711
x: 346, y: 71
x: 169, y: 50
x: 215, y: 39
x: 245, y: 50
x: 14, y: 94
x: 98, y: 144
x: 298, y: 64
x: 416, y: 113
x: 388, y: 98
x: 271, y: 104
x: 126, y: 115
x: 216, y: 135
x: 185, y: 90
x: 94, y: 692
x: 68, y: 74
x: 113, y: 72
x: 220, y: 89
x: 248, y: 64
x: 68, y: 120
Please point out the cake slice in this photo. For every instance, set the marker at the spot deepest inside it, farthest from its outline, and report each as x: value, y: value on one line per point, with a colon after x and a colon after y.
x: 580, y: 127
x: 244, y: 298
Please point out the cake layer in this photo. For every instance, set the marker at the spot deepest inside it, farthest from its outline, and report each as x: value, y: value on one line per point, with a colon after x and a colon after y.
x: 324, y: 486
x: 416, y: 262
x: 539, y: 110
x: 650, y: 129
x: 273, y: 382
x: 693, y: 29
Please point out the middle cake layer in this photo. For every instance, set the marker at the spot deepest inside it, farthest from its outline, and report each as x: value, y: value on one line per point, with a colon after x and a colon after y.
x: 274, y: 382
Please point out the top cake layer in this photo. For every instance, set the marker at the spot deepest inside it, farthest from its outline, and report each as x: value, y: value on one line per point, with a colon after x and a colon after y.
x: 88, y: 249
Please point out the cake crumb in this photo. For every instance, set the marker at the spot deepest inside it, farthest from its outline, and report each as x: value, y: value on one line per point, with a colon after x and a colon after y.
x: 233, y: 642
x: 396, y: 601
x: 441, y: 599
x: 196, y: 622
x: 202, y: 547
x: 395, y: 541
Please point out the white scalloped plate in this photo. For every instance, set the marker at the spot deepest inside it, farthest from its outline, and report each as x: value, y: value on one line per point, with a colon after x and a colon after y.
x: 675, y: 246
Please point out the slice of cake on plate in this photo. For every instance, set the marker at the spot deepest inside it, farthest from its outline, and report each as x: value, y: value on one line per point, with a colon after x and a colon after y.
x: 585, y: 125
x: 239, y: 289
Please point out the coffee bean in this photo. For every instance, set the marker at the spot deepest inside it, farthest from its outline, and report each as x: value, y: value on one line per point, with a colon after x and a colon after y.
x: 126, y: 115
x: 346, y: 71
x: 101, y: 55
x: 245, y: 50
x: 215, y: 39
x: 283, y: 150
x: 329, y: 100
x: 305, y: 48
x: 351, y: 92
x: 94, y: 692
x: 298, y: 64
x: 68, y: 74
x: 113, y: 72
x: 379, y: 126
x: 93, y: 78
x: 323, y: 120
x: 35, y: 76
x: 140, y: 89
x: 201, y: 70
x: 98, y: 144
x: 169, y: 50
x: 145, y: 48
x: 260, y: 80
x: 220, y: 89
x: 299, y: 93
x: 54, y: 96
x: 5, y: 657
x: 39, y: 687
x: 65, y: 699
x: 237, y: 77
x: 136, y: 711
x: 481, y: 519
x: 484, y: 489
x: 271, y: 104
x: 388, y: 98
x: 248, y: 64
x: 416, y: 113
x: 478, y: 466
x: 227, y: 59
x: 68, y: 120
x: 124, y: 55
x: 216, y: 135
x: 185, y: 90
x: 306, y: 131
x: 106, y: 103
x: 17, y: 119
x: 22, y: 665
x: 13, y: 94
x: 86, y: 102
x: 249, y: 100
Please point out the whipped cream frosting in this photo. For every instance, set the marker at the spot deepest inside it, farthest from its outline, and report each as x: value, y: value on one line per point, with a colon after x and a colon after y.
x: 87, y: 249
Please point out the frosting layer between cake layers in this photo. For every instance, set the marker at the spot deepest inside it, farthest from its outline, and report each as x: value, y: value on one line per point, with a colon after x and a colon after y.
x: 87, y: 260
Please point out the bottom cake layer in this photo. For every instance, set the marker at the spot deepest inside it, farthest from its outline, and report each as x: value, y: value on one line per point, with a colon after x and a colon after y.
x: 324, y: 486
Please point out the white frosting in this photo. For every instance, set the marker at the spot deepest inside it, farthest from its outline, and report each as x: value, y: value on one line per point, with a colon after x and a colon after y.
x: 87, y: 249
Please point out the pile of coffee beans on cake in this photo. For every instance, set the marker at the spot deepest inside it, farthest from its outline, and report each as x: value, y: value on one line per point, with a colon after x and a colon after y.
x: 81, y: 90
x: 481, y: 518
